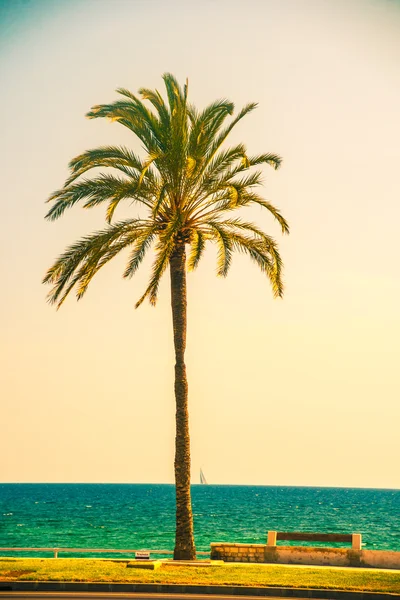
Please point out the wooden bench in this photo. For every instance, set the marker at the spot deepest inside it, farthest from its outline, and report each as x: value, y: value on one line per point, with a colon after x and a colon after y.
x: 298, y: 536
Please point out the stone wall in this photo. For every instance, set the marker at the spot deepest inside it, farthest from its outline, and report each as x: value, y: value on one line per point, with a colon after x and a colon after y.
x: 303, y: 555
x: 238, y: 552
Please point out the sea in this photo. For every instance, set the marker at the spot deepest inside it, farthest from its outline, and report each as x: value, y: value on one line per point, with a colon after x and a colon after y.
x: 142, y: 516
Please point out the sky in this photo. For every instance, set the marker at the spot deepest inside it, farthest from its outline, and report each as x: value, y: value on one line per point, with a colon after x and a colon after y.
x: 299, y: 391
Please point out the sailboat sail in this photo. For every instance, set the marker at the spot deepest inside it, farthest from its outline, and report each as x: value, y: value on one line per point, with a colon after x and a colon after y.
x: 202, y: 478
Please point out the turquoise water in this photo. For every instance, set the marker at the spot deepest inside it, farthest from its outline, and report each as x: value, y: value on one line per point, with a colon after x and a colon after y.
x: 142, y: 516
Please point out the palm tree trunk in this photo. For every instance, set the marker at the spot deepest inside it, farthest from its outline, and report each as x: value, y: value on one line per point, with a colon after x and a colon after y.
x: 184, y: 540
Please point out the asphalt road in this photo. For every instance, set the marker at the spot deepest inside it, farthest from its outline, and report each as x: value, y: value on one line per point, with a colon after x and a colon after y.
x: 121, y: 596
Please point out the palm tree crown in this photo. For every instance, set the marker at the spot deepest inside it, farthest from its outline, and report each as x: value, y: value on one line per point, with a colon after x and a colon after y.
x: 187, y: 184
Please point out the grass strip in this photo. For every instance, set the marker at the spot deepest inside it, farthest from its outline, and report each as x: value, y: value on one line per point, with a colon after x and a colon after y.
x: 116, y: 571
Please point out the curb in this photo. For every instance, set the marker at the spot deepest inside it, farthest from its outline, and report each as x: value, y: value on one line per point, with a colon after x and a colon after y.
x: 280, y: 592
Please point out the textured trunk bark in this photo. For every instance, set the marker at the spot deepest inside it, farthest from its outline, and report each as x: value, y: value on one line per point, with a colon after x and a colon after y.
x: 184, y: 540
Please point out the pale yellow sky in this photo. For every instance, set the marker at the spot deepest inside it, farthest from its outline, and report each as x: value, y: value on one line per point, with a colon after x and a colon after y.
x: 303, y: 391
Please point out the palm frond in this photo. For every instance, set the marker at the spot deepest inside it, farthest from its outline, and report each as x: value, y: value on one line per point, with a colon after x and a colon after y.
x: 141, y: 245
x: 221, y: 162
x: 84, y: 258
x: 273, y: 160
x: 204, y: 128
x: 162, y: 196
x: 95, y: 191
x: 116, y: 157
x: 223, y: 195
x: 135, y: 117
x: 254, y: 198
x: 163, y: 251
x: 265, y: 255
x: 224, y: 134
x: 224, y: 243
x: 197, y: 249
x: 157, y: 101
x: 176, y: 97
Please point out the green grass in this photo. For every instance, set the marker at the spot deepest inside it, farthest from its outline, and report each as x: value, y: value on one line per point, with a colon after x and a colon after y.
x: 90, y: 570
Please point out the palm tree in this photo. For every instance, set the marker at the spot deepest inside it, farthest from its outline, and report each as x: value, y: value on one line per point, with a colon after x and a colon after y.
x: 188, y: 188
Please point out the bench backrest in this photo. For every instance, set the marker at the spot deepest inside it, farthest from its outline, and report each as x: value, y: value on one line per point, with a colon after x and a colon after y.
x: 293, y: 536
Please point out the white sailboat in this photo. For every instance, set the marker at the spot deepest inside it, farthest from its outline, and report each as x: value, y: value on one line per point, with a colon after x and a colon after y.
x: 203, y: 480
